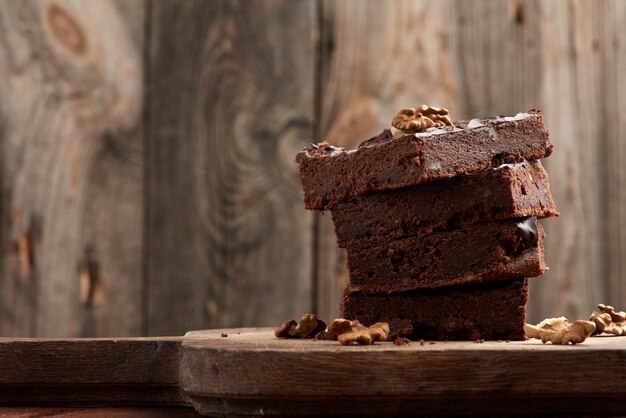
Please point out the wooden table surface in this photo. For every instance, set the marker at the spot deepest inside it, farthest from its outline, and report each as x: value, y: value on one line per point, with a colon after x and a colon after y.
x: 250, y: 372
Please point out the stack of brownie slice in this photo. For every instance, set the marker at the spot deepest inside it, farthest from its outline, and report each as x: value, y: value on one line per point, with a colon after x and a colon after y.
x: 440, y: 225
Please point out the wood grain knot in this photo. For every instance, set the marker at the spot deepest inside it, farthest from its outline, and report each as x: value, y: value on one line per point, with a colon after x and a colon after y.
x: 91, y: 291
x: 66, y: 30
x: 26, y: 254
x: 517, y: 11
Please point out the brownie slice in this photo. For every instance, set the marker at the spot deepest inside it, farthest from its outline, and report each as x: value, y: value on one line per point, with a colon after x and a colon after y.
x: 329, y: 174
x: 507, y: 192
x: 496, y: 311
x: 482, y: 252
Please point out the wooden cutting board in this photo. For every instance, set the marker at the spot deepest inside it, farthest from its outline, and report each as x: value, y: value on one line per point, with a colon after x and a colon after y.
x: 250, y: 372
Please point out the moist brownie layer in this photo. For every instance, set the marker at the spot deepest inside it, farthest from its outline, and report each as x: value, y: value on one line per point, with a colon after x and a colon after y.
x: 508, y: 192
x: 482, y: 252
x: 491, y: 312
x: 329, y: 174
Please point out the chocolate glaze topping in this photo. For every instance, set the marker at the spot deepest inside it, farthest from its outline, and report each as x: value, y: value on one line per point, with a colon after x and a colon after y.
x: 324, y: 149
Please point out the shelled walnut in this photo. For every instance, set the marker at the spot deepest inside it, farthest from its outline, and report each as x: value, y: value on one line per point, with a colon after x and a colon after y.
x: 308, y: 326
x: 368, y: 336
x: 410, y: 120
x: 339, y: 326
x: 343, y: 330
x: 349, y: 331
x: 560, y: 331
x: 609, y: 321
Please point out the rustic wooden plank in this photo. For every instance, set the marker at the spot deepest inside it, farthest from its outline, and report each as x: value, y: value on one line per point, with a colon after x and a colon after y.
x: 612, y: 125
x: 136, y: 412
x: 251, y: 372
x: 71, y: 147
x: 231, y: 84
x: 372, y: 54
x: 500, y: 71
x: 496, y: 56
x: 573, y: 106
x: 90, y: 371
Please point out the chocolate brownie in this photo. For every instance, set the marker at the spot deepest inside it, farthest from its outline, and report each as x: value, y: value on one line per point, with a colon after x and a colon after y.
x: 482, y: 252
x: 329, y: 174
x: 495, y: 311
x: 507, y: 192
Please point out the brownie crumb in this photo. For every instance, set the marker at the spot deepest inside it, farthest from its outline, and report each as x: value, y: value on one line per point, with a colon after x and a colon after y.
x: 224, y: 335
x: 479, y: 341
x: 422, y: 342
x: 431, y: 343
x: 401, y: 341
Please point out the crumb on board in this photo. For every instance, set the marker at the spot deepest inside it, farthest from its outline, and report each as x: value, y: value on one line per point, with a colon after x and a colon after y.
x: 401, y: 341
x: 224, y: 335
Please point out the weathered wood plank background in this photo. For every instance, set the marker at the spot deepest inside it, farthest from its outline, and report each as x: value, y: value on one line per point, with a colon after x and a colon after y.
x: 146, y: 147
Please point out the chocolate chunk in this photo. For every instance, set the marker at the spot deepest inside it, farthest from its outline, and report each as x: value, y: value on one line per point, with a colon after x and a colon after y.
x: 325, y: 147
x: 527, y: 231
